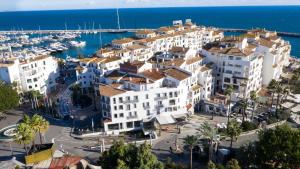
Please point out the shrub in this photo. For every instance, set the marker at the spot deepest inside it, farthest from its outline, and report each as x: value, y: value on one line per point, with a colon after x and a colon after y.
x: 247, y: 126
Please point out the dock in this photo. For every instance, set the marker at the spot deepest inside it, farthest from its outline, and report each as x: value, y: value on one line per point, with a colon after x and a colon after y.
x: 284, y: 34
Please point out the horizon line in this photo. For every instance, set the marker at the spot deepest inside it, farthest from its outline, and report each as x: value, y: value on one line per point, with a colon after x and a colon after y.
x: 109, y: 8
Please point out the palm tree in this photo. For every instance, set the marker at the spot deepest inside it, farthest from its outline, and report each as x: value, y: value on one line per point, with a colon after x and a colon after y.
x: 286, y: 92
x: 272, y: 87
x: 191, y: 142
x: 253, y: 97
x: 233, y: 130
x: 228, y: 92
x: 243, y: 104
x: 39, y: 125
x: 24, y: 135
x: 209, y: 132
x: 278, y: 90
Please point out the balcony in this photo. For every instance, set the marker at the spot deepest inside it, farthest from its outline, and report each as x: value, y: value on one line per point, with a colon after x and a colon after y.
x: 160, y: 97
x: 132, y: 117
x: 159, y: 106
x: 130, y: 101
x: 146, y: 106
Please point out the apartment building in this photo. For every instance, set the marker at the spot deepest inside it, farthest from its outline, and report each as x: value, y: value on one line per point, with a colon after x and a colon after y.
x: 37, y: 73
x: 237, y: 64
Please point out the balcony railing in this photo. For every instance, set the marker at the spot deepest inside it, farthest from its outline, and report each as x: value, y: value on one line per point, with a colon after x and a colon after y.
x: 130, y: 101
x: 132, y: 117
x: 160, y: 97
x: 159, y: 106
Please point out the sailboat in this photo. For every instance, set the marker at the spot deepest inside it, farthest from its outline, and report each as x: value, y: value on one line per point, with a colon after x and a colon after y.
x: 119, y: 30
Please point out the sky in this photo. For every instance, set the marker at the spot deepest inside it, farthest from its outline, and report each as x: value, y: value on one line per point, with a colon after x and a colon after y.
x: 25, y: 5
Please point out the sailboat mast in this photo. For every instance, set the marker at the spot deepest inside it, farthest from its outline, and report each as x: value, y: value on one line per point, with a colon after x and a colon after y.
x: 118, y: 17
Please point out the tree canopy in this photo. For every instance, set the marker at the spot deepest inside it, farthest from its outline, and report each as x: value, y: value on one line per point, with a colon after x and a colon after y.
x: 9, y: 97
x: 129, y: 156
x: 279, y: 148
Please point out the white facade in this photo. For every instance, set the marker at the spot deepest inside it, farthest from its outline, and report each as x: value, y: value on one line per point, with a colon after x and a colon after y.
x: 38, y: 73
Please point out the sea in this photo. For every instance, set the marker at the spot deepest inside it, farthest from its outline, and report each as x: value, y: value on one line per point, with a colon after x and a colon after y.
x: 276, y: 18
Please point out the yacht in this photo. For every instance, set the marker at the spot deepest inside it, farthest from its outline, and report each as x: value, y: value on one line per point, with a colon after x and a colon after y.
x: 76, y: 44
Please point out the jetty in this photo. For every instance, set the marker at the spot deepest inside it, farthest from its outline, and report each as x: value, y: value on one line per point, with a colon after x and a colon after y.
x: 284, y: 34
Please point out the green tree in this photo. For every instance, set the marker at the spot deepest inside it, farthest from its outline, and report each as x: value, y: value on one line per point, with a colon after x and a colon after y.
x: 228, y: 92
x: 233, y: 164
x: 242, y: 105
x: 279, y: 148
x: 253, y: 97
x: 272, y: 88
x: 123, y: 156
x: 191, y: 142
x: 233, y: 130
x: 210, y: 132
x: 39, y: 125
x: 211, y: 165
x: 9, y: 97
x: 24, y: 135
x: 247, y: 155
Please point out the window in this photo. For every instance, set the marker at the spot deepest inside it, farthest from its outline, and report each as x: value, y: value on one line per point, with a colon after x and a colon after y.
x: 238, y: 58
x: 120, y: 107
x: 134, y: 106
x: 113, y: 126
x: 44, y: 62
x: 137, y: 124
x: 115, y: 115
x: 114, y: 100
x: 115, y: 107
x: 29, y: 80
x: 129, y: 124
x: 148, y: 112
x: 128, y: 107
x: 136, y: 97
x: 121, y: 115
x: 227, y: 80
x: 30, y: 87
x: 120, y: 100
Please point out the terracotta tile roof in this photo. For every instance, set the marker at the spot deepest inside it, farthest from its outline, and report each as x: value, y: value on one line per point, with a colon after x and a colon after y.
x: 135, y: 79
x: 111, y: 59
x: 114, y: 75
x: 265, y: 42
x: 136, y: 46
x: 64, y: 162
x: 177, y: 49
x: 123, y: 41
x: 106, y: 90
x: 165, y: 29
x: 193, y: 60
x: 153, y: 74
x: 144, y: 31
x: 174, y: 62
x: 177, y: 74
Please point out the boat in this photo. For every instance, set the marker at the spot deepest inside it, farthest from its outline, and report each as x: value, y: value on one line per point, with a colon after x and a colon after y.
x: 119, y: 30
x: 76, y: 44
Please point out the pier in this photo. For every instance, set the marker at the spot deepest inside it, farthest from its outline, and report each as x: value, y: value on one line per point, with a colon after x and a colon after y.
x: 284, y: 34
x: 71, y: 31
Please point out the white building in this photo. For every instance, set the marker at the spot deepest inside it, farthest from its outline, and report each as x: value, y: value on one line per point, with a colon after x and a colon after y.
x: 36, y: 73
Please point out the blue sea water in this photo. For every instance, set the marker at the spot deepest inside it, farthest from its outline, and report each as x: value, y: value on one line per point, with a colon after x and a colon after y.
x: 279, y: 18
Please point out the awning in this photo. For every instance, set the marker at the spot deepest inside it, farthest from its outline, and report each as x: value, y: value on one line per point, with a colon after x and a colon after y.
x: 179, y: 116
x: 287, y: 105
x: 296, y: 109
x: 165, y: 119
x: 145, y: 120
